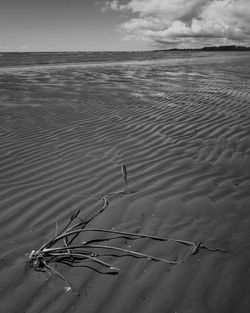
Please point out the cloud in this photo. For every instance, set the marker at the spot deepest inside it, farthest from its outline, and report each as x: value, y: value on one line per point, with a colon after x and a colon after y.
x: 185, y: 23
x: 112, y: 5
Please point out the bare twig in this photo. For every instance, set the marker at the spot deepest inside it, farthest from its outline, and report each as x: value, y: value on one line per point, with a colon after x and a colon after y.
x: 138, y: 254
x: 79, y: 255
x: 125, y: 176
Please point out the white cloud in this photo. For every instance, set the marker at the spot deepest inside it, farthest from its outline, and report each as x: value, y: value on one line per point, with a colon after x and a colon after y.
x: 187, y: 22
x: 112, y: 5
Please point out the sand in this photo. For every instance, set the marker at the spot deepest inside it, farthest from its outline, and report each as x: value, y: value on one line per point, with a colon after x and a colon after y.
x: 182, y: 129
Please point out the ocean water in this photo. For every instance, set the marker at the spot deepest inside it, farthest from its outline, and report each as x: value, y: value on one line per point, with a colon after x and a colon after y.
x: 36, y: 79
x: 29, y: 58
x: 50, y: 58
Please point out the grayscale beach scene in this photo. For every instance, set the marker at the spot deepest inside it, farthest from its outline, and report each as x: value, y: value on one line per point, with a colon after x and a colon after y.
x: 125, y: 175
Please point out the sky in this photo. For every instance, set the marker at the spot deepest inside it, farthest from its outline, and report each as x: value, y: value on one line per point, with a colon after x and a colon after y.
x: 115, y: 25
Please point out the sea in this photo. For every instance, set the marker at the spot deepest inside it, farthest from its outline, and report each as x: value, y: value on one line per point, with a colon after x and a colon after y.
x: 13, y: 59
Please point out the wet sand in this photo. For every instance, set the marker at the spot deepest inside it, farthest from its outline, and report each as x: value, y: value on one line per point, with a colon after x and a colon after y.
x: 181, y: 128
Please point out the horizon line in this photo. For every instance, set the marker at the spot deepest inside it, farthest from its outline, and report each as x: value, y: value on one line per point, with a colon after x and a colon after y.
x: 220, y: 48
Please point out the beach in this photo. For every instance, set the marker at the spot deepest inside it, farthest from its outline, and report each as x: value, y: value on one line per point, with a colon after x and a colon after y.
x: 180, y: 125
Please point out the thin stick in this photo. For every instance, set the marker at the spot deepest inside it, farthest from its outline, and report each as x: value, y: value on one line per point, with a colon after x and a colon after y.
x: 214, y: 249
x: 72, y: 218
x: 51, y: 241
x: 189, y: 243
x: 61, y: 276
x: 124, y: 173
x: 105, y: 205
x: 92, y: 268
x: 64, y: 249
x: 91, y: 258
x: 110, y: 238
x: 138, y: 254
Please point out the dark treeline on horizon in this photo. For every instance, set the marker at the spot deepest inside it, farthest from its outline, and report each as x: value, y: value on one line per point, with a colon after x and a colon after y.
x: 211, y: 48
x: 214, y: 48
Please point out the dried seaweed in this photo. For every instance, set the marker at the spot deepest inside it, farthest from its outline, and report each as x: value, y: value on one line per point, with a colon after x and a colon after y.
x: 61, y: 248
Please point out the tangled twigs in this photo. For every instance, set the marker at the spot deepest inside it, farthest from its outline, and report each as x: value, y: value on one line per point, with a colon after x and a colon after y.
x: 61, y: 248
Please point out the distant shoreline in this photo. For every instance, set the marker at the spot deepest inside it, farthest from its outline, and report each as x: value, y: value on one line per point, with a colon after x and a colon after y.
x: 212, y: 48
x: 215, y: 48
x: 17, y: 59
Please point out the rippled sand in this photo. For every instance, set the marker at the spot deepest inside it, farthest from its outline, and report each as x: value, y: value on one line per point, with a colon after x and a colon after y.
x: 182, y: 129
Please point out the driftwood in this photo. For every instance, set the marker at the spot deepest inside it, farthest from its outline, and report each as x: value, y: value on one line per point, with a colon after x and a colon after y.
x: 61, y: 248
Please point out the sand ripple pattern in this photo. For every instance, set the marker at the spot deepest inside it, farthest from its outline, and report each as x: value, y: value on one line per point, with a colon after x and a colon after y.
x: 183, y: 131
